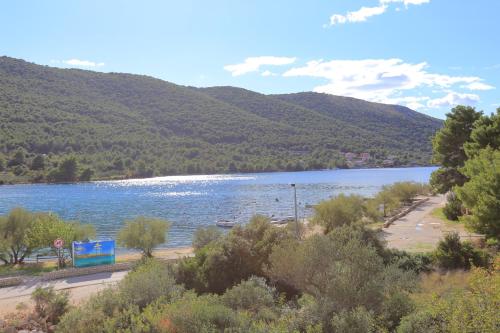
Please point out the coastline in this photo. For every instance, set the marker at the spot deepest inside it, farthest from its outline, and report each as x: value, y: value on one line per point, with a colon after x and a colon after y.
x: 116, y: 178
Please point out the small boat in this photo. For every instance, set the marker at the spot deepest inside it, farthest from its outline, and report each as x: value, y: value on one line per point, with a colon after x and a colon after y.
x: 225, y: 224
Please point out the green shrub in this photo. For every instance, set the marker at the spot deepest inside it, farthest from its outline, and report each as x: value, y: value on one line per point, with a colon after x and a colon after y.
x: 416, y: 262
x: 143, y: 234
x: 254, y: 296
x: 192, y: 314
x: 451, y: 253
x: 422, y: 322
x: 243, y: 252
x: 338, y: 211
x: 148, y: 282
x: 453, y: 208
x: 204, y: 236
x: 358, y: 320
x: 50, y: 305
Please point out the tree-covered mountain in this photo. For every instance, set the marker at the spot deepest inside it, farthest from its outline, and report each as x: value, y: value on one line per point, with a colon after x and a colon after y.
x: 123, y: 125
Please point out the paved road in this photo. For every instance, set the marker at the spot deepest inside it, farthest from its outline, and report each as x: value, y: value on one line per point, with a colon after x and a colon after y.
x: 80, y: 287
x: 419, y: 231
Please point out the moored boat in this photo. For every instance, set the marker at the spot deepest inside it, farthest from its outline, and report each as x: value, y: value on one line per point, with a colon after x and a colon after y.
x: 225, y: 223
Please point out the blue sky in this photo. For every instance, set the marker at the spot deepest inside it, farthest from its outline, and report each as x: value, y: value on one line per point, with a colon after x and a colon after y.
x: 427, y: 54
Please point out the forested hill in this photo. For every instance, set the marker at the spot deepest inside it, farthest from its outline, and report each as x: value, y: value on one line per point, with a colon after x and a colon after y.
x: 56, y: 123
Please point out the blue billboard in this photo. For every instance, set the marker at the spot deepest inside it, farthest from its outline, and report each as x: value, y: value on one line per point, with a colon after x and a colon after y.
x: 93, y: 253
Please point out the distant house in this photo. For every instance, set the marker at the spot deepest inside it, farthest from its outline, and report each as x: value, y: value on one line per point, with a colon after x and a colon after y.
x: 365, y: 157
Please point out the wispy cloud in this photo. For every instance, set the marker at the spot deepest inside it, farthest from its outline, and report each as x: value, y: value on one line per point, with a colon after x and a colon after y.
x: 386, y: 81
x: 362, y: 14
x: 253, y: 64
x: 78, y: 63
x: 478, y: 86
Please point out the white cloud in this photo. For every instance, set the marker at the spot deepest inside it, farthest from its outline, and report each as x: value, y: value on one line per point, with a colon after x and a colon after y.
x: 359, y: 15
x: 406, y: 2
x: 380, y: 80
x: 268, y: 73
x: 253, y: 64
x: 453, y: 99
x: 79, y: 63
x: 478, y: 86
x: 362, y: 14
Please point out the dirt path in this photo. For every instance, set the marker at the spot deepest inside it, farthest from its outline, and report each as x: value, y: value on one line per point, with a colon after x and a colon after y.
x: 419, y: 231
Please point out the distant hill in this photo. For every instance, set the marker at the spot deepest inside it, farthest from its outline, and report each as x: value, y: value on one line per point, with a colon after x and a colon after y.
x: 123, y: 125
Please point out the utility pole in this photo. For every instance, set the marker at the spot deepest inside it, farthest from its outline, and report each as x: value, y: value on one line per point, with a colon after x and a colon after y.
x: 295, y: 206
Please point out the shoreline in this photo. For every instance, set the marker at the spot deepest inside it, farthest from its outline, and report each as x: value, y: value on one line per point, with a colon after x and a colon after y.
x: 110, y: 179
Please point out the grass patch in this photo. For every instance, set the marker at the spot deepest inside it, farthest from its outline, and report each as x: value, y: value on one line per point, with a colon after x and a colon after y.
x: 375, y: 225
x: 421, y: 248
x: 438, y: 213
x: 27, y: 269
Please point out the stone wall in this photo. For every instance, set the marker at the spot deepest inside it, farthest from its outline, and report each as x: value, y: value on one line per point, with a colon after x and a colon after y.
x: 10, y: 281
x: 404, y: 212
x: 70, y: 272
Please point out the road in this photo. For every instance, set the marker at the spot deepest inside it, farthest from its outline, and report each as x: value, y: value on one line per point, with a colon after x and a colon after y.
x: 79, y: 287
x: 419, y: 231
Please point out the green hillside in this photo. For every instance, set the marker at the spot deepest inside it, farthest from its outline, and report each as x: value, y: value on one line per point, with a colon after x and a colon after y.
x: 123, y: 125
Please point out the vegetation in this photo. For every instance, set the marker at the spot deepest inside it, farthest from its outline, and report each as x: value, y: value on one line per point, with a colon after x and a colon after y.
x: 448, y: 147
x: 481, y: 194
x: 64, y: 125
x: 339, y: 211
x: 451, y: 253
x: 50, y: 305
x: 23, y: 232
x: 143, y: 234
x: 204, y: 236
x: 453, y: 208
x: 456, y: 302
x: 469, y: 150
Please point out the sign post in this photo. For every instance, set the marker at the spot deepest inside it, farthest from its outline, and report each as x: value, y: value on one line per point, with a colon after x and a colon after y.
x: 58, y: 244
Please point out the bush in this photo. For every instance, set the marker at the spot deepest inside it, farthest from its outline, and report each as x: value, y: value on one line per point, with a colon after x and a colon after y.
x: 358, y: 320
x: 451, y: 253
x: 50, y: 305
x: 453, y: 208
x: 204, y: 236
x: 143, y: 234
x: 416, y: 262
x: 243, y: 252
x: 422, y: 322
x: 338, y: 211
x: 148, y: 282
x: 339, y: 270
x: 193, y: 314
x: 467, y: 305
x: 253, y: 295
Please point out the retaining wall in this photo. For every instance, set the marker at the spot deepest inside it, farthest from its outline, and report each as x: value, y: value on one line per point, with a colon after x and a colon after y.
x: 403, y: 213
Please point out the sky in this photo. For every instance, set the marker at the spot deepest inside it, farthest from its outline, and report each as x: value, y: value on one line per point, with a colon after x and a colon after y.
x: 429, y: 55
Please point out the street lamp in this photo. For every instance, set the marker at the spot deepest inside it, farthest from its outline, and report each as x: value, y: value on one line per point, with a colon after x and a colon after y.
x: 295, y: 206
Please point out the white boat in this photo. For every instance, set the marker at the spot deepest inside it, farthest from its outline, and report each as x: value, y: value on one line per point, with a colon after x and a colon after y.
x: 225, y: 224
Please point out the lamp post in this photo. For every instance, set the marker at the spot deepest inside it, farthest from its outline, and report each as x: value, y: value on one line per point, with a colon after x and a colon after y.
x: 295, y: 207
